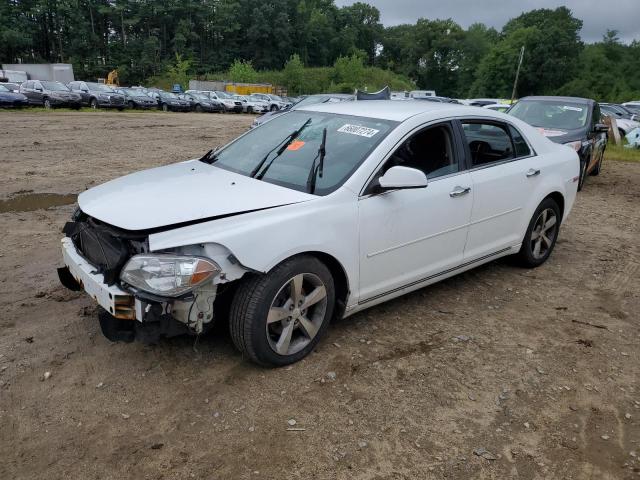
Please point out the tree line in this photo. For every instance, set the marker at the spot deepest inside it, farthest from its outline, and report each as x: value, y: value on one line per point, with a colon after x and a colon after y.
x: 311, y: 44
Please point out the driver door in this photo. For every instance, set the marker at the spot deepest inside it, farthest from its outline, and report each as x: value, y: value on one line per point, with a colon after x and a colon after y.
x: 409, y: 237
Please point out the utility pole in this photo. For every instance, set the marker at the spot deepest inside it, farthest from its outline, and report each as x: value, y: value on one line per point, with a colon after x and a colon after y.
x: 515, y: 83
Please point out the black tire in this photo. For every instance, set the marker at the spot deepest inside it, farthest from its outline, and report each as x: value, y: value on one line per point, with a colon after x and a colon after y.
x: 527, y: 257
x: 253, y: 300
x: 198, y: 108
x: 249, y: 109
x: 273, y: 108
x: 598, y: 168
x: 93, y: 103
x: 583, y: 173
x: 132, y: 105
x: 164, y: 107
x: 46, y: 103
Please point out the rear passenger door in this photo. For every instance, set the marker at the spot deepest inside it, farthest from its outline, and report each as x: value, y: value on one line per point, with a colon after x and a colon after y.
x: 504, y: 175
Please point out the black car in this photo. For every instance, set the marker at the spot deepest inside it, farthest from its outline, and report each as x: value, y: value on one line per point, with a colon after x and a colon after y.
x: 201, y: 102
x: 50, y: 94
x: 136, y: 98
x: 167, y: 101
x: 575, y: 122
x: 98, y: 95
x: 9, y: 98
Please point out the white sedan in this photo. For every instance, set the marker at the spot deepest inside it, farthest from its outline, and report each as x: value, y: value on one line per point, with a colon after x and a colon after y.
x: 318, y: 214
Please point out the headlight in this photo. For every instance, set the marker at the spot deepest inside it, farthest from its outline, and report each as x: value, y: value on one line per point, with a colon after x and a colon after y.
x: 168, y: 275
x: 577, y: 145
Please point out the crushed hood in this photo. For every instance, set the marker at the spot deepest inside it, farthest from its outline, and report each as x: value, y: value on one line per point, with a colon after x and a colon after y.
x: 180, y: 193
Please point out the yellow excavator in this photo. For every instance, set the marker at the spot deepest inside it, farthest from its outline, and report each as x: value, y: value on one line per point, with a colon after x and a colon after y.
x: 112, y: 79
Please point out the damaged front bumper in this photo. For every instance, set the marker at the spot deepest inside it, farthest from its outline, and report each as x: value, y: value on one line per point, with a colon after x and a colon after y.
x: 126, y: 316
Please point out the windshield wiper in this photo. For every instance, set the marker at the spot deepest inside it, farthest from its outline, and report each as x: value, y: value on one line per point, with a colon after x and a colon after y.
x: 316, y: 172
x: 211, y: 156
x: 283, y: 147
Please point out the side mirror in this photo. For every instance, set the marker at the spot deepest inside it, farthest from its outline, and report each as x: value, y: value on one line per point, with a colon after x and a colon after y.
x: 38, y: 89
x: 399, y: 177
x: 601, y: 128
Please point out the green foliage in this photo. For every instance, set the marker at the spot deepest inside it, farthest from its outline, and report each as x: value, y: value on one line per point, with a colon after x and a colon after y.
x: 293, y: 75
x: 178, y: 73
x: 242, y: 71
x: 348, y: 72
x: 314, y: 45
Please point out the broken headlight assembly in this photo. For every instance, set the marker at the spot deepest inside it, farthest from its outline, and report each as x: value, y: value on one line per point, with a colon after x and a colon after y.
x: 168, y: 275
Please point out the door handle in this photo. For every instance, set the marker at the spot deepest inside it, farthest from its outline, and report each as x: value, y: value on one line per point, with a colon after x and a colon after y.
x: 532, y: 172
x: 459, y: 191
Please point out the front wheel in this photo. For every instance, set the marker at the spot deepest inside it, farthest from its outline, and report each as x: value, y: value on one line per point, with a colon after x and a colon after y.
x: 165, y: 107
x: 598, y: 168
x: 94, y: 103
x: 273, y: 108
x: 131, y: 105
x: 541, y: 235
x: 278, y: 318
x: 583, y: 173
x: 47, y: 103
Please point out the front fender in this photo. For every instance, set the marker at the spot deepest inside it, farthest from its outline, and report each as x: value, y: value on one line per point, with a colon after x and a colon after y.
x: 261, y: 240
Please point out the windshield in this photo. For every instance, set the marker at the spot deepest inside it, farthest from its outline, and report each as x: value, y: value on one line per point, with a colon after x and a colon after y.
x: 551, y: 114
x: 223, y: 95
x: 55, y: 87
x: 4, y: 89
x: 276, y: 98
x: 168, y: 95
x: 256, y: 98
x: 99, y: 87
x: 134, y: 93
x: 349, y: 141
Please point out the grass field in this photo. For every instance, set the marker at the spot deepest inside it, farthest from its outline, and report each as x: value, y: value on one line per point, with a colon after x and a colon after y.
x: 619, y: 153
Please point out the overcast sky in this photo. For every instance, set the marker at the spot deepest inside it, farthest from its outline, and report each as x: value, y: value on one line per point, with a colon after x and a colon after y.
x: 597, y: 15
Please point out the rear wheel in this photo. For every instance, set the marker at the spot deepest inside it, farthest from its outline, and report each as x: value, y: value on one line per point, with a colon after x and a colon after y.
x: 131, y: 104
x: 273, y: 108
x: 198, y: 108
x: 541, y: 235
x: 278, y: 318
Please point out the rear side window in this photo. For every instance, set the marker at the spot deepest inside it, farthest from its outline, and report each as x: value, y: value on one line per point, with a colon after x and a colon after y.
x: 488, y: 143
x: 522, y: 149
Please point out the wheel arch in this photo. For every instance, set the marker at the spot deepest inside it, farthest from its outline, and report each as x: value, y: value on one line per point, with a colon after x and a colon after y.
x: 559, y: 199
x: 340, y: 280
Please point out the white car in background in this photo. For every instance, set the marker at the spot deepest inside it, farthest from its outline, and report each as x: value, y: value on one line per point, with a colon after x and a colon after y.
x: 252, y: 105
x: 274, y: 101
x: 320, y: 213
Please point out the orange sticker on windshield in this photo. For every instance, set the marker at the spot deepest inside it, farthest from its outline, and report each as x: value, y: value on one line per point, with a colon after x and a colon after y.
x: 297, y: 145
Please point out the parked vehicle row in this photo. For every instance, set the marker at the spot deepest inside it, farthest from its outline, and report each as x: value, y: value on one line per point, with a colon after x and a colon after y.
x: 98, y: 95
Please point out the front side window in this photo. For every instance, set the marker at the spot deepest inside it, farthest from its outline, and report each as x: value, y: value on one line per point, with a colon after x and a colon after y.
x: 430, y: 150
x: 272, y: 153
x: 488, y: 143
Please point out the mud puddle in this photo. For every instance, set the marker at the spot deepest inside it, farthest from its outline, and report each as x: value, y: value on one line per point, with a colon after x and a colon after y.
x: 35, y: 201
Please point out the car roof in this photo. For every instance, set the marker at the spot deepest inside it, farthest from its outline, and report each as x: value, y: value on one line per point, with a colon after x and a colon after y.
x: 551, y: 98
x: 395, y: 110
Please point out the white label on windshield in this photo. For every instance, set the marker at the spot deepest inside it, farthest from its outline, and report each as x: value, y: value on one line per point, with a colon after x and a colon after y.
x: 358, y: 130
x: 575, y: 109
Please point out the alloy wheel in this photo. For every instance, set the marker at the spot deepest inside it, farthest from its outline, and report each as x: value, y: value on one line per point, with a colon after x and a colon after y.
x: 296, y: 313
x: 544, y: 232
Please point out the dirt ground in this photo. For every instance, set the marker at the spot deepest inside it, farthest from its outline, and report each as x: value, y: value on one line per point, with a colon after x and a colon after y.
x: 536, y: 371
